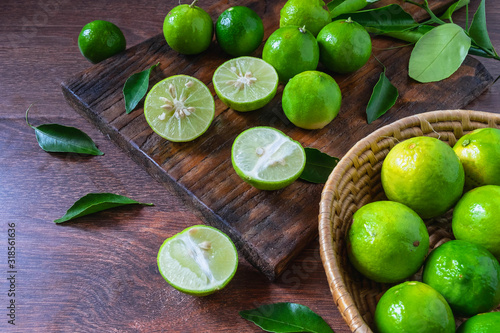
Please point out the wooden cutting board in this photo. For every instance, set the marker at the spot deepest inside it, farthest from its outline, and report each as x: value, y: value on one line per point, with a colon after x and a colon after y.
x: 269, y: 228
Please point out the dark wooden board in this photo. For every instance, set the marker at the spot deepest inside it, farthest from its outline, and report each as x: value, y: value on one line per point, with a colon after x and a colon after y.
x: 269, y: 228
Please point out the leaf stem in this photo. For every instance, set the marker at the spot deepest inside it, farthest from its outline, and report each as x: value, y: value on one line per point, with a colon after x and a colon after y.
x: 193, y: 3
x: 425, y: 6
x: 26, y: 116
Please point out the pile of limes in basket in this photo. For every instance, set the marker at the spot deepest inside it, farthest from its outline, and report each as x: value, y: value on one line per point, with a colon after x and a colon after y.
x: 388, y: 241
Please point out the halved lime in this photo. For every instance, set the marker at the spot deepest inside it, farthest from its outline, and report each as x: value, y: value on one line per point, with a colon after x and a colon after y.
x: 266, y: 158
x: 245, y: 83
x: 179, y: 108
x: 198, y: 261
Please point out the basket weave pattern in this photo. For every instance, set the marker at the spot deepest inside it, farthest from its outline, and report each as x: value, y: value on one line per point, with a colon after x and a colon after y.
x: 355, y: 182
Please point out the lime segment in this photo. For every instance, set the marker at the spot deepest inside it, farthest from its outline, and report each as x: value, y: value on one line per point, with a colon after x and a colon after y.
x: 266, y: 158
x: 179, y: 108
x: 245, y: 83
x: 198, y: 261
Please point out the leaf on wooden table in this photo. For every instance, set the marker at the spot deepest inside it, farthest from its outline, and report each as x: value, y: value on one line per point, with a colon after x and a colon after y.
x: 55, y: 138
x: 339, y: 7
x: 384, y: 96
x: 439, y: 53
x: 478, y: 31
x: 96, y: 202
x: 453, y: 8
x: 318, y: 167
x: 135, y: 88
x: 286, y: 317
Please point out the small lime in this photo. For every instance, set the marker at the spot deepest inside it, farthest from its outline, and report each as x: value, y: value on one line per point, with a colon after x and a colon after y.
x: 245, y: 83
x: 291, y: 50
x: 476, y: 218
x: 239, y: 31
x: 387, y: 241
x: 188, y: 29
x: 179, y: 108
x: 482, y: 323
x: 311, y: 100
x: 413, y: 307
x: 266, y: 158
x: 311, y: 14
x: 344, y: 46
x: 479, y: 152
x: 425, y: 174
x: 467, y: 275
x: 198, y: 261
x: 99, y: 40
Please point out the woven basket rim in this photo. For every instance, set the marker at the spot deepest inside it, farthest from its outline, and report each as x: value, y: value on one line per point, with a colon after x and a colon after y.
x: 336, y: 282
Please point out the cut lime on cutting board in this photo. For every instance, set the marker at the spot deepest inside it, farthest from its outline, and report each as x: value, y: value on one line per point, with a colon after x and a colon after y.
x: 179, y: 108
x: 266, y: 158
x: 198, y: 261
x: 245, y: 83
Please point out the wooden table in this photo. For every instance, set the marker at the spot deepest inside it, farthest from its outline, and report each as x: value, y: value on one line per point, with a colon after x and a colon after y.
x: 100, y: 275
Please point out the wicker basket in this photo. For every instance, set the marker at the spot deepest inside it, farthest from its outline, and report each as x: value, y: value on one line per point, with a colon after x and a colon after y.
x: 355, y: 182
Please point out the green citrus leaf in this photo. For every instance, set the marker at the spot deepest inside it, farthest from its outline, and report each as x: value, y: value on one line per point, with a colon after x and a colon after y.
x: 339, y: 7
x: 383, y: 98
x: 55, y: 138
x: 383, y: 19
x: 409, y: 35
x: 478, y: 31
x: 439, y: 53
x: 318, y: 167
x: 286, y: 317
x: 135, y: 88
x: 453, y: 8
x: 96, y: 202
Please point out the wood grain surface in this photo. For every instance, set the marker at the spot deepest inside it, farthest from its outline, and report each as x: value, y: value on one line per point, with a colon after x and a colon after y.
x: 99, y: 274
x: 268, y: 227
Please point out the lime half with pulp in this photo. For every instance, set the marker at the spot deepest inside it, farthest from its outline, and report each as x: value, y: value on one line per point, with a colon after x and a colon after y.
x: 245, y: 83
x: 179, y: 108
x: 198, y: 261
x: 266, y: 158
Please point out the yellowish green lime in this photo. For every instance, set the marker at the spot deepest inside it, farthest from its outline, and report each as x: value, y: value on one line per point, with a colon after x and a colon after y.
x: 413, y: 307
x: 425, y: 174
x: 99, y: 40
x: 476, y: 218
x: 198, y: 261
x: 179, y: 108
x: 245, y: 83
x: 482, y: 323
x: 266, y: 158
x: 467, y: 275
x: 479, y: 152
x: 309, y: 13
x: 387, y: 241
x: 311, y: 100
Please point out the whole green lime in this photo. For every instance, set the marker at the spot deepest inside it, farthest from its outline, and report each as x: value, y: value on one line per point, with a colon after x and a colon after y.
x: 310, y: 14
x: 311, y: 100
x: 413, y: 307
x: 239, y: 31
x: 344, y: 46
x: 466, y: 274
x: 476, y: 218
x: 291, y: 50
x: 482, y: 323
x: 387, y: 241
x: 425, y: 174
x: 479, y: 152
x: 188, y: 29
x: 100, y: 40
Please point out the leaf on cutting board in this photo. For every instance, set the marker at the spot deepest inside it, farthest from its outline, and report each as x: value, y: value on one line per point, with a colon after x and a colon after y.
x: 286, y: 317
x: 439, y: 53
x: 384, y: 96
x: 478, y: 31
x: 55, y: 138
x: 96, y: 202
x: 135, y: 88
x: 318, y: 167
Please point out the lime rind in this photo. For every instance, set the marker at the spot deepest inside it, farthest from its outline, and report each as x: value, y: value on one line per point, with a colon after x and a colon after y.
x: 266, y: 158
x: 179, y: 108
x: 245, y: 83
x: 198, y: 261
